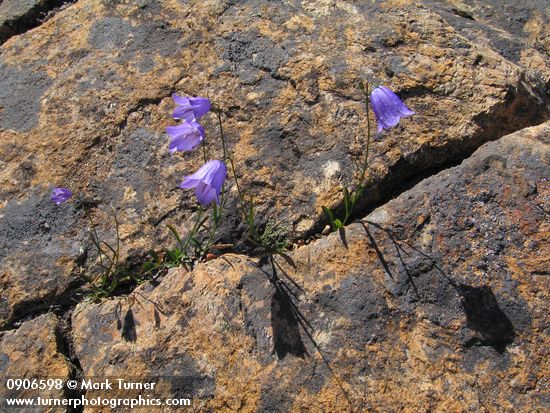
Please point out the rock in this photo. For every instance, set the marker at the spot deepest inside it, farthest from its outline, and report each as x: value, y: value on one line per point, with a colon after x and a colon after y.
x: 34, y: 351
x: 513, y: 28
x: 85, y: 100
x: 18, y: 16
x: 41, y: 233
x: 436, y: 301
x: 11, y: 12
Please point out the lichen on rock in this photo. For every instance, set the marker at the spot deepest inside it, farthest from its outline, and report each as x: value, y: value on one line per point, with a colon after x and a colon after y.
x: 439, y: 305
x: 435, y: 299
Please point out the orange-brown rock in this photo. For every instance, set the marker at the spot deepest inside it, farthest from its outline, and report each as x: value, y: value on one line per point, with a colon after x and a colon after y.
x: 436, y: 301
x: 35, y: 351
x: 85, y: 99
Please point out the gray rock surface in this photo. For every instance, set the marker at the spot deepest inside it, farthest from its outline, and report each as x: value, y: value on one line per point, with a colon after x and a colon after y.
x: 85, y: 100
x: 437, y: 300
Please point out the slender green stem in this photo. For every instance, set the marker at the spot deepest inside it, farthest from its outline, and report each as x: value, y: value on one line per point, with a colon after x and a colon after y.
x: 204, y: 154
x: 348, y: 213
x: 227, y: 156
x: 102, y: 254
x: 222, y: 135
x: 117, y: 228
x: 366, y: 161
x: 176, y: 235
x: 196, y: 227
x: 97, y: 242
x: 350, y: 199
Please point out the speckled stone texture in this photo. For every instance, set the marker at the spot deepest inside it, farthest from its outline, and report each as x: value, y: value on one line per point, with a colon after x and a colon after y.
x: 19, y: 16
x: 436, y: 301
x: 85, y: 99
x: 34, y: 351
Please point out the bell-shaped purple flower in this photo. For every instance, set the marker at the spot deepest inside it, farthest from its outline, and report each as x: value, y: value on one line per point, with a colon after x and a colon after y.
x: 185, y: 136
x: 388, y: 108
x: 60, y: 195
x: 207, y: 181
x: 190, y: 109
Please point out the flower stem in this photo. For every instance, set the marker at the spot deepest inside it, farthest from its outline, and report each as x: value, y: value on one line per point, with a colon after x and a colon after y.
x: 204, y: 154
x: 366, y: 161
x: 351, y: 198
x: 227, y: 156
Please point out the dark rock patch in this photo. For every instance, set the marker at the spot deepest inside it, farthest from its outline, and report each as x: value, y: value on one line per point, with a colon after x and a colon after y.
x: 115, y: 33
x: 110, y: 33
x: 138, y: 152
x: 183, y: 374
x: 359, y: 302
x: 249, y: 49
x: 508, y: 16
x: 19, y: 16
x: 485, y: 317
x: 21, y: 90
x: 36, y: 218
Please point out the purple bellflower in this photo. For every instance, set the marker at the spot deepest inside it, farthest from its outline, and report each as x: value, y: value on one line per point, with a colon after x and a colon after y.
x: 60, y: 195
x: 388, y: 108
x: 190, y: 109
x: 185, y: 136
x: 207, y: 181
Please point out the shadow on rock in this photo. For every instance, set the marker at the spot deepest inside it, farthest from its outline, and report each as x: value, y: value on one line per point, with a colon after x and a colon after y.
x: 479, y: 304
x: 485, y: 317
x: 286, y: 318
x: 129, y: 327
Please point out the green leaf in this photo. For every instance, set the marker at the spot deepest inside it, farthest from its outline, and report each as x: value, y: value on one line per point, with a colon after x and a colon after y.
x: 155, y: 256
x: 357, y: 194
x: 148, y: 266
x: 176, y: 235
x: 329, y: 214
x: 347, y: 201
x: 338, y: 224
x: 250, y: 212
x: 203, y: 221
x: 195, y: 242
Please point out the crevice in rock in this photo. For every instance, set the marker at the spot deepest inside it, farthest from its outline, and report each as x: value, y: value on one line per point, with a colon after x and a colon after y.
x: 70, y: 297
x: 58, y: 304
x: 142, y: 103
x: 65, y: 346
x: 34, y: 16
x: 524, y: 106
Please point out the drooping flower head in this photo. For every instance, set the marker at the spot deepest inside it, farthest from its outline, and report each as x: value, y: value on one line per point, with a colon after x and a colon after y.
x: 388, y: 108
x: 185, y: 136
x: 207, y: 181
x: 60, y: 195
x: 190, y: 109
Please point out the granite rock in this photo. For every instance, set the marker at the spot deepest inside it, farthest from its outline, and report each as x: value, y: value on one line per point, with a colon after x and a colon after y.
x: 85, y: 99
x: 436, y: 301
x: 36, y: 351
